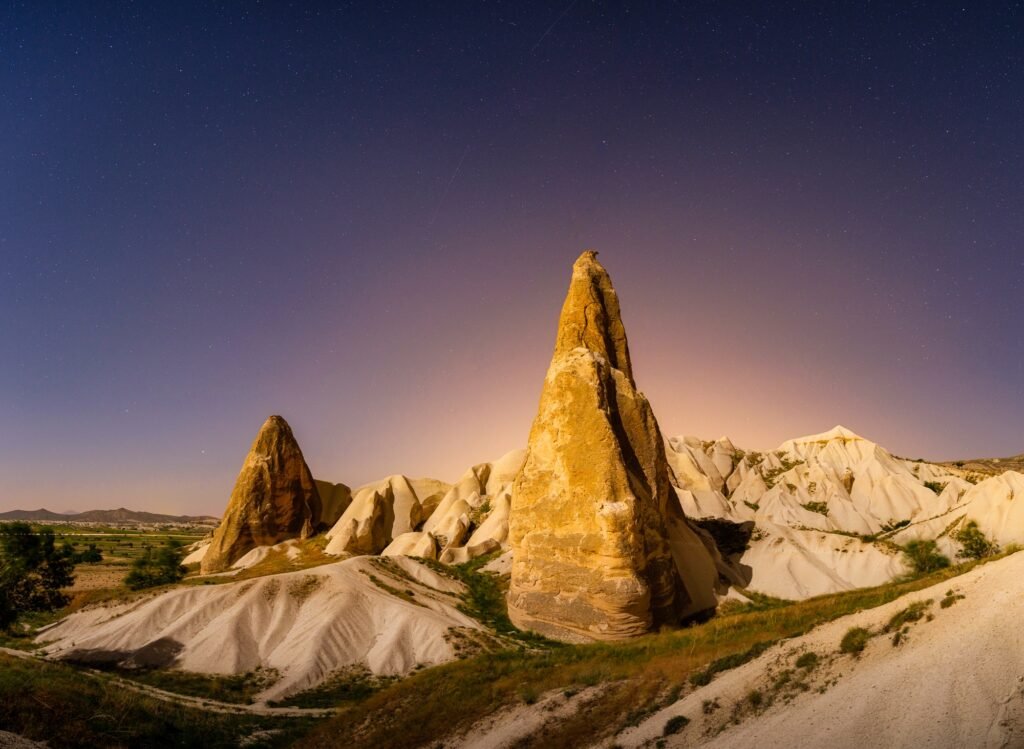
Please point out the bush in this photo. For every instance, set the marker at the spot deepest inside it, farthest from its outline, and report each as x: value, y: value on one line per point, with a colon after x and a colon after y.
x: 32, y: 572
x: 675, y: 724
x: 160, y: 568
x: 951, y: 598
x: 92, y: 555
x: 808, y: 661
x: 924, y: 557
x: 935, y: 486
x: 855, y: 640
x: 912, y: 613
x: 975, y: 545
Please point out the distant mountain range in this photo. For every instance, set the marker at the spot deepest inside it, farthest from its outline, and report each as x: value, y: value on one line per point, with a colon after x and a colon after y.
x: 114, y: 517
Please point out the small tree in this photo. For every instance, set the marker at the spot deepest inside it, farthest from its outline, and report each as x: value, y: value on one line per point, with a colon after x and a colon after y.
x: 33, y: 570
x: 160, y: 567
x: 974, y: 543
x: 924, y: 556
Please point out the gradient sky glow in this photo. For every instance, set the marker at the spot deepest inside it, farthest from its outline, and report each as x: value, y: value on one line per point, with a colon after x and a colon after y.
x: 362, y: 216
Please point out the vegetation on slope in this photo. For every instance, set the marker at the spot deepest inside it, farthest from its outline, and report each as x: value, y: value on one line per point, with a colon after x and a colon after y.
x: 637, y: 676
x: 71, y: 708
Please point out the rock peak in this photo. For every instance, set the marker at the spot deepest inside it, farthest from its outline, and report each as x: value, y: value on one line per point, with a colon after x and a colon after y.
x: 597, y: 534
x: 274, y: 498
x: 591, y: 318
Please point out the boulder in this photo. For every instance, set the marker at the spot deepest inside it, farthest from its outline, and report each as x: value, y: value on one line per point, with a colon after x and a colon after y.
x: 365, y: 527
x: 412, y: 544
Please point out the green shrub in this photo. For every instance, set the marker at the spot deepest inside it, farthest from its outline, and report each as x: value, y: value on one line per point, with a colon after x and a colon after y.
x: 855, y: 640
x: 911, y: 613
x: 92, y: 555
x: 675, y: 724
x: 935, y: 486
x: 33, y: 570
x: 162, y: 567
x: 950, y: 599
x: 819, y: 507
x: 528, y: 694
x: 975, y: 545
x: 755, y: 698
x: 808, y: 661
x: 924, y: 557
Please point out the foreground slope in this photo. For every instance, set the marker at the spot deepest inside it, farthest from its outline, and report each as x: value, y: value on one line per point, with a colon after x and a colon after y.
x: 943, y: 667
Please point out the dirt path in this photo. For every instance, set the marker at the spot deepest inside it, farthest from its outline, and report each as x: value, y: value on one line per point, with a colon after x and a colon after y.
x: 200, y: 703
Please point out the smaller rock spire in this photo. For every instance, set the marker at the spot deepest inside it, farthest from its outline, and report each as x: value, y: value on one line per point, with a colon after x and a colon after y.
x: 274, y: 499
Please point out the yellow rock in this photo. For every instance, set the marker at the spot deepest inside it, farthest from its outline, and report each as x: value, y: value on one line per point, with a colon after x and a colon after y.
x: 593, y: 510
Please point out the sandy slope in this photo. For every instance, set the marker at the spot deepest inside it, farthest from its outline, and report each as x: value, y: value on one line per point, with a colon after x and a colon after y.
x: 305, y: 624
x: 954, y: 681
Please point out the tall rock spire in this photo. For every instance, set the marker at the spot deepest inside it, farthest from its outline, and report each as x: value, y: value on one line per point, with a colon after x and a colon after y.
x: 274, y: 499
x: 593, y: 509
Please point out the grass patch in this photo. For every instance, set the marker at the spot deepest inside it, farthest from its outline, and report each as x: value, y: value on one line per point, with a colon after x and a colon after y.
x: 675, y: 724
x: 347, y: 686
x: 914, y: 612
x: 68, y: 708
x: 924, y: 557
x: 484, y: 599
x: 819, y: 507
x: 951, y: 598
x: 854, y: 641
x: 237, y: 688
x: 704, y: 677
x: 408, y: 594
x: 808, y: 661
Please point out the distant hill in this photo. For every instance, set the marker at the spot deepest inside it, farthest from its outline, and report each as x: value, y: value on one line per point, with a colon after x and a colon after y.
x: 119, y: 516
x: 990, y: 466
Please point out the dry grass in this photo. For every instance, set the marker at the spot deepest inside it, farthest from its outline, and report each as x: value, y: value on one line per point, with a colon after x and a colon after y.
x: 69, y: 708
x: 311, y: 554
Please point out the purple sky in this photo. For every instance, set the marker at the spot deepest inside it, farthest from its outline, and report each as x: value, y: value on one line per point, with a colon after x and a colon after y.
x: 363, y: 218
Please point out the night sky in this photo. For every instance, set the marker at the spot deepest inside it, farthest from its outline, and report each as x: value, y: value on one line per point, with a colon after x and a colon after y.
x: 362, y: 216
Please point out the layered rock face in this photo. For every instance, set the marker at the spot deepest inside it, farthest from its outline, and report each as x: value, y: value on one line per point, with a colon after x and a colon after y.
x: 595, y: 526
x: 274, y: 499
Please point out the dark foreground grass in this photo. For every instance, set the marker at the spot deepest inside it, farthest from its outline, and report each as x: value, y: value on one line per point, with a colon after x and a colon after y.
x: 236, y: 688
x: 69, y: 708
x: 353, y: 685
x: 636, y: 675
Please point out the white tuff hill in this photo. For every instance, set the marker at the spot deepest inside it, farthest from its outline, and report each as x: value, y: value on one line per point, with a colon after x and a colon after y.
x: 941, y: 668
x: 830, y: 508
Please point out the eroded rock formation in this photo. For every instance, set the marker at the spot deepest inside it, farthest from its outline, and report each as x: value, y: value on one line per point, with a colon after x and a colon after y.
x: 274, y: 499
x: 594, y: 522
